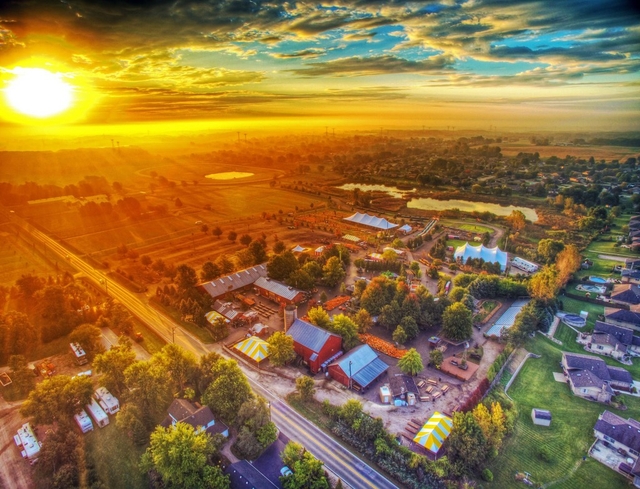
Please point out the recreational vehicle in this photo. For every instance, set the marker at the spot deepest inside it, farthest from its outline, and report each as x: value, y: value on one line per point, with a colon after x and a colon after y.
x: 83, y: 421
x: 78, y: 353
x: 109, y: 403
x: 97, y: 414
x: 27, y: 443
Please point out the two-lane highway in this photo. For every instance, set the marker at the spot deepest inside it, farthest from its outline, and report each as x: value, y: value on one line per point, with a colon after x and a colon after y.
x: 351, y: 469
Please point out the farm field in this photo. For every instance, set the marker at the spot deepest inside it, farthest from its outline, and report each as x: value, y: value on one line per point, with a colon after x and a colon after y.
x: 569, y: 436
x: 474, y: 228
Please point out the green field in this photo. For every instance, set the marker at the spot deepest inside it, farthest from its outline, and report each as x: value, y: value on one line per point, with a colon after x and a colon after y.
x: 115, y: 458
x: 474, y: 228
x: 568, y: 438
x: 575, y: 306
x: 458, y: 242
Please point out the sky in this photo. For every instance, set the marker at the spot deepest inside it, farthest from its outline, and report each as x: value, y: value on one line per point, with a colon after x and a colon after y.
x: 546, y: 65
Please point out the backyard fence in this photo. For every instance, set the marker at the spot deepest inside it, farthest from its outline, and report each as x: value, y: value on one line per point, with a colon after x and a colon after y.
x: 616, y: 305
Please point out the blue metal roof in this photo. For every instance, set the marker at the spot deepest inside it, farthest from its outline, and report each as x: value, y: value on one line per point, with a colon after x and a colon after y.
x: 309, y: 335
x: 366, y: 366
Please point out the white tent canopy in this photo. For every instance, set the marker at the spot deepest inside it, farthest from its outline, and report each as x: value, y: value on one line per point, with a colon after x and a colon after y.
x: 490, y: 255
x: 372, y: 221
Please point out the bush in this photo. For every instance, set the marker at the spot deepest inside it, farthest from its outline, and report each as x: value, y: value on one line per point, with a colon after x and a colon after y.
x: 545, y: 454
x: 487, y: 475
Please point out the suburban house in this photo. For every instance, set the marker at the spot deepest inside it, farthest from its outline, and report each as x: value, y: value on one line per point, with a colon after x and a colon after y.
x: 359, y: 368
x: 627, y: 293
x: 630, y: 275
x: 632, y: 264
x: 233, y: 282
x: 613, y: 340
x: 315, y: 345
x: 278, y: 292
x: 622, y: 317
x: 591, y: 378
x: 200, y: 417
x: 619, y: 437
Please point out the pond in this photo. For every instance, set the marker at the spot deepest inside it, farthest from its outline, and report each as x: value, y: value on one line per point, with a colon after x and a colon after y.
x: 428, y: 204
x: 229, y: 175
x: 392, y: 191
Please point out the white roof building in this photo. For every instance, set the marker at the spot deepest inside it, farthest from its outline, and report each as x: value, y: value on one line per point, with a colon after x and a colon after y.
x: 490, y: 255
x: 371, y: 221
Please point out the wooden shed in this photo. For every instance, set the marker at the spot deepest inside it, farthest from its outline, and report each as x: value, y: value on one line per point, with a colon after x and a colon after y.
x: 541, y: 417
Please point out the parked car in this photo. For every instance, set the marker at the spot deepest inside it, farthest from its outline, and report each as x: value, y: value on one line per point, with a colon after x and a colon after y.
x: 285, y: 471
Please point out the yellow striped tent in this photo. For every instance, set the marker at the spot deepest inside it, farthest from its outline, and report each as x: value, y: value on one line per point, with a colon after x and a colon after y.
x: 211, y: 316
x: 434, y: 432
x: 253, y: 347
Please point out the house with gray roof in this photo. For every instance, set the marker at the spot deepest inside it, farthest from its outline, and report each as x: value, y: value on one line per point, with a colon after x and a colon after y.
x: 591, y: 378
x: 616, y: 341
x: 622, y: 317
x: 359, y: 368
x: 233, y: 282
x: 627, y: 293
x: 193, y: 414
x: 315, y: 345
x: 278, y: 292
x: 618, y: 436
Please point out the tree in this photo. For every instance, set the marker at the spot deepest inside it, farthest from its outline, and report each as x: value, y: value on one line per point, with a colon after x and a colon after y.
x: 343, y: 325
x: 130, y: 420
x: 544, y: 283
x: 217, y: 232
x: 245, y: 239
x: 305, y: 387
x: 280, y: 348
x: 224, y: 264
x: 186, y: 279
x: 411, y: 362
x: 178, y: 363
x: 210, y: 271
x: 279, y: 267
x: 457, y: 322
x: 516, y: 220
x: 148, y: 388
x: 256, y: 431
x: 258, y: 251
x: 390, y: 315
x: 333, y: 272
x: 308, y: 471
x: 548, y: 249
x: 232, y: 236
x: 567, y: 262
x: 399, y: 335
x: 179, y: 454
x: 436, y: 358
x: 363, y: 320
x: 112, y: 365
x: 300, y: 280
x: 29, y: 285
x: 410, y: 327
x: 219, y: 328
x: 279, y: 247
x: 21, y: 375
x: 228, y: 390
x: 415, y: 269
x: 89, y: 337
x: 57, y: 399
x: 319, y: 317
x: 313, y: 268
x: 17, y: 335
x: 466, y: 441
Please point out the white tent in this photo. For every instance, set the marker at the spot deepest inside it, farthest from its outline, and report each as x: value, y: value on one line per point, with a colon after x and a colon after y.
x: 406, y: 229
x: 372, y: 221
x: 490, y: 255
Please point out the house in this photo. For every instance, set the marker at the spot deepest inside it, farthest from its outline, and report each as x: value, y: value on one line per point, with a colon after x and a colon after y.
x: 622, y: 437
x: 200, y: 417
x: 618, y: 336
x: 107, y: 401
x: 629, y: 275
x: 541, y: 417
x: 627, y: 293
x: 622, y: 317
x: 632, y: 263
x: 591, y: 378
x: 315, y: 345
x: 278, y: 292
x: 233, y: 282
x: 245, y: 475
x: 358, y: 369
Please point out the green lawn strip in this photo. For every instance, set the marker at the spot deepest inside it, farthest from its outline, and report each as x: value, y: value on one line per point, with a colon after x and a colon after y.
x: 569, y: 436
x: 474, y: 228
x: 460, y: 242
x: 151, y: 342
x: 202, y: 334
x: 115, y: 458
x: 609, y: 248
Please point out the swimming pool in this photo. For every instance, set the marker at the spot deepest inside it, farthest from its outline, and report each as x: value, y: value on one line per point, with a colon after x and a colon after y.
x: 596, y: 289
x: 574, y: 320
x: 597, y: 280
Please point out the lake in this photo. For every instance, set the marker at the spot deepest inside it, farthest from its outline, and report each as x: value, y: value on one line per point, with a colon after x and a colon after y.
x: 429, y: 204
x: 229, y: 175
x: 392, y: 191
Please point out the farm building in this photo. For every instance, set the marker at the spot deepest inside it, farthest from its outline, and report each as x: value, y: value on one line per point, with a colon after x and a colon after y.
x: 371, y: 221
x: 406, y: 229
x: 253, y: 348
x: 226, y: 309
x: 184, y: 411
x: 359, y: 368
x: 541, y: 417
x: 590, y: 377
x: 315, y: 345
x: 525, y: 265
x: 27, y: 443
x: 434, y: 432
x: 490, y: 255
x: 278, y: 292
x: 233, y: 282
x: 506, y: 320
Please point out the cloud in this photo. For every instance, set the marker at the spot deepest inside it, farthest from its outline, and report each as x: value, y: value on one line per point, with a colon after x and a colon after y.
x: 374, y: 65
x: 305, y: 53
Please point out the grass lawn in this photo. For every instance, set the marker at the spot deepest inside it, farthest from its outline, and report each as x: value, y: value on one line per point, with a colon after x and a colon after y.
x: 115, y: 458
x: 459, y: 242
x: 601, y: 267
x: 607, y: 247
x: 569, y: 436
x: 152, y: 342
x: 575, y: 306
x: 474, y: 228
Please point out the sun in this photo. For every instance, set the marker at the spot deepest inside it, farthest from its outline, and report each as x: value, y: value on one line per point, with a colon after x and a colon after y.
x: 36, y: 92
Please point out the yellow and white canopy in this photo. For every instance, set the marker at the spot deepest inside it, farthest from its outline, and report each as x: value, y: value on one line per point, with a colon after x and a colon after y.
x: 254, y: 348
x: 212, y: 316
x: 434, y: 432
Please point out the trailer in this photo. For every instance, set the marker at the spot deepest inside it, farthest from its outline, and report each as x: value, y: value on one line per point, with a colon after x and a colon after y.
x: 79, y: 354
x: 27, y: 443
x: 83, y: 421
x: 97, y: 414
x: 106, y: 400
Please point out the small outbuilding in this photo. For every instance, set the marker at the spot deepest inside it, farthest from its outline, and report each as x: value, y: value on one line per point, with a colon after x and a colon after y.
x: 541, y: 417
x: 359, y: 368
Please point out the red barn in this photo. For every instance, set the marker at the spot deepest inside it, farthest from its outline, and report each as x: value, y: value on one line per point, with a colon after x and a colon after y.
x: 278, y: 292
x: 362, y: 365
x: 315, y: 345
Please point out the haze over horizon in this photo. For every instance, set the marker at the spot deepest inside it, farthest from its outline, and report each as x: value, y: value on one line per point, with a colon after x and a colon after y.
x: 520, y: 65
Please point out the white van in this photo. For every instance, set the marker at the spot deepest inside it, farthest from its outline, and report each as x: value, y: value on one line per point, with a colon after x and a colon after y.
x: 98, y: 414
x: 83, y: 421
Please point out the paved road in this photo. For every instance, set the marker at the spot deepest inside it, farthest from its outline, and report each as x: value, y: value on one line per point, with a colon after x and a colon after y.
x: 351, y: 469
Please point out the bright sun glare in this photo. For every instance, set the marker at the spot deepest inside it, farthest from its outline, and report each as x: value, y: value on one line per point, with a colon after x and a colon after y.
x: 39, y: 93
